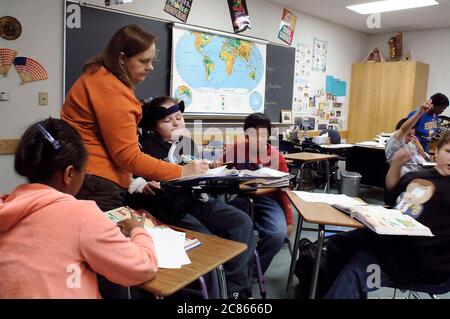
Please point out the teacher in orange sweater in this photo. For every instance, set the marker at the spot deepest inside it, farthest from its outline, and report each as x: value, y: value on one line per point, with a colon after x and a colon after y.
x: 103, y: 108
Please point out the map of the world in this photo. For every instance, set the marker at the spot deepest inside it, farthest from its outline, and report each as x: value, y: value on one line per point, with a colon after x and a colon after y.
x: 218, y: 74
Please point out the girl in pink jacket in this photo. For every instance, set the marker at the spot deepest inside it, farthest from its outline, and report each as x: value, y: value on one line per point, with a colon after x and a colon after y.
x: 52, y: 245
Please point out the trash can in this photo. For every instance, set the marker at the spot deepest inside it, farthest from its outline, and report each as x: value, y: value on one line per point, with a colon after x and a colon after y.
x: 350, y: 183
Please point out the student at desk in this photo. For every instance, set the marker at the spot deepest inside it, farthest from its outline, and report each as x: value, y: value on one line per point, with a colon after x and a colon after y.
x: 427, y: 125
x: 52, y: 245
x: 273, y: 213
x: 404, y: 137
x: 403, y: 260
x: 161, y: 124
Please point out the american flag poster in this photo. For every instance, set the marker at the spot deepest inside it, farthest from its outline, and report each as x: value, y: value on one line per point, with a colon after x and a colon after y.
x: 6, y: 59
x: 29, y: 69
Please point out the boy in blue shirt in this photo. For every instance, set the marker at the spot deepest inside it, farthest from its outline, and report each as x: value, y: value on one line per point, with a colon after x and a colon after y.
x: 427, y: 125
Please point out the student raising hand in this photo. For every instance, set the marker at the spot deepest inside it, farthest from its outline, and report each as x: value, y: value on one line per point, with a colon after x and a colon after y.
x: 426, y: 107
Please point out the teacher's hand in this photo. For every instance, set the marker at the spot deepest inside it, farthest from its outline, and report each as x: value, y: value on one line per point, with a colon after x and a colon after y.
x: 195, y: 168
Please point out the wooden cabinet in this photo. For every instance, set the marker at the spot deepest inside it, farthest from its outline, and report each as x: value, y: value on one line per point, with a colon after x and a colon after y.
x: 383, y: 93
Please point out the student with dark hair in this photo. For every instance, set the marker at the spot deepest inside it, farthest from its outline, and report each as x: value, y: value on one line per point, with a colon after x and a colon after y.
x: 426, y: 126
x: 273, y: 218
x: 52, y: 245
x: 103, y: 108
x: 404, y: 136
x: 162, y: 137
x: 402, y: 260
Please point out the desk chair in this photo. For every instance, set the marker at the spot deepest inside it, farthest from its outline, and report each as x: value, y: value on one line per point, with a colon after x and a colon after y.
x: 313, y: 173
x: 286, y: 147
x: 431, y: 290
x: 335, y: 137
x: 318, y: 169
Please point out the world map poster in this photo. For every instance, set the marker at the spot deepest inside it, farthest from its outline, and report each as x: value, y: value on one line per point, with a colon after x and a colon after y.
x: 216, y: 74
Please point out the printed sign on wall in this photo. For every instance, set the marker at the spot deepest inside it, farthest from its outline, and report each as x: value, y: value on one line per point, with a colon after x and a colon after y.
x: 178, y: 8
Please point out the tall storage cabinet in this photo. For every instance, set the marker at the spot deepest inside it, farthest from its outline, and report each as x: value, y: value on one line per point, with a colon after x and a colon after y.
x: 383, y: 93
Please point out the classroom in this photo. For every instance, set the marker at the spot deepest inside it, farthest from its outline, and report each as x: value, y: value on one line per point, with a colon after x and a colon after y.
x: 228, y: 149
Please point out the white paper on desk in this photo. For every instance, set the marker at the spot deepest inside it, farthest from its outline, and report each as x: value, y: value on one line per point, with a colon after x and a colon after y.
x: 220, y: 171
x: 263, y: 172
x: 337, y: 146
x: 371, y: 143
x: 169, y: 245
x: 331, y: 199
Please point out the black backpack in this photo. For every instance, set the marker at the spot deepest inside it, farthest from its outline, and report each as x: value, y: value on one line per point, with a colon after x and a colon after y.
x: 304, y: 270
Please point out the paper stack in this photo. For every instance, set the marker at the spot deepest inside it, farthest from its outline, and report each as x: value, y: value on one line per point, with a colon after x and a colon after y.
x: 169, y: 246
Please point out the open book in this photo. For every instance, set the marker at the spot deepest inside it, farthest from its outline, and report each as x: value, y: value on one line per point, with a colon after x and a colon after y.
x: 381, y: 220
x: 122, y: 213
x: 385, y: 221
x: 269, y: 183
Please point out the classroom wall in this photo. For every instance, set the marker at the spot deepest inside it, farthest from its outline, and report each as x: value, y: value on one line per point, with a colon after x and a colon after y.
x: 345, y: 46
x: 42, y: 39
x: 428, y: 46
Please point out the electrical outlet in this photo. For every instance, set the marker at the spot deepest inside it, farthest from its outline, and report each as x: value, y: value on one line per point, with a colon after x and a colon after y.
x: 43, y: 98
x: 4, y: 96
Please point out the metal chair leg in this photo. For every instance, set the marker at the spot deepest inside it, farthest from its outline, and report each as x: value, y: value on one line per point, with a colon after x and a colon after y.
x: 289, y: 244
x: 321, y: 235
x: 260, y: 275
x: 203, y: 286
x: 294, y: 254
x: 222, y: 282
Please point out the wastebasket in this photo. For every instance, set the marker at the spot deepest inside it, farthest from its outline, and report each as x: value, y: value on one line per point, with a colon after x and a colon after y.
x: 350, y: 183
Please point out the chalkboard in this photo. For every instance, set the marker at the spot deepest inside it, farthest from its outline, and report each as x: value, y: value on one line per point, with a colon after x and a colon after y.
x: 96, y: 28
x: 98, y: 25
x: 280, y: 66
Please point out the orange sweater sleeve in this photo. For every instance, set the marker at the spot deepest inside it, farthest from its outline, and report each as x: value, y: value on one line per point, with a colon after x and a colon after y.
x: 117, y: 112
x: 122, y: 260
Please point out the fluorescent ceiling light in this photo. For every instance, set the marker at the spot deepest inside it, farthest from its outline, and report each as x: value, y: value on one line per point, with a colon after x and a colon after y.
x: 390, y: 5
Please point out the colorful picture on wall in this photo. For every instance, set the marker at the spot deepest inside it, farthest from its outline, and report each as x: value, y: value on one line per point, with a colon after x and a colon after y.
x: 334, y: 120
x: 180, y: 9
x: 286, y: 117
x: 287, y: 27
x: 320, y: 53
x: 239, y: 15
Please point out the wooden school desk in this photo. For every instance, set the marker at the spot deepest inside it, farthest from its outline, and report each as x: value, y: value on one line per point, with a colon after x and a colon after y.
x: 305, y: 157
x: 321, y: 214
x: 211, y: 254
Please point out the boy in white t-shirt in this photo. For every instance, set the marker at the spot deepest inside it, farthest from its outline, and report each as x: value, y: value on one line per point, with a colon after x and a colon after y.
x: 404, y: 136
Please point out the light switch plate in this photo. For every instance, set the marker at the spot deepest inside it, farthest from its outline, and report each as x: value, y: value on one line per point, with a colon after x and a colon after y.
x: 43, y: 98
